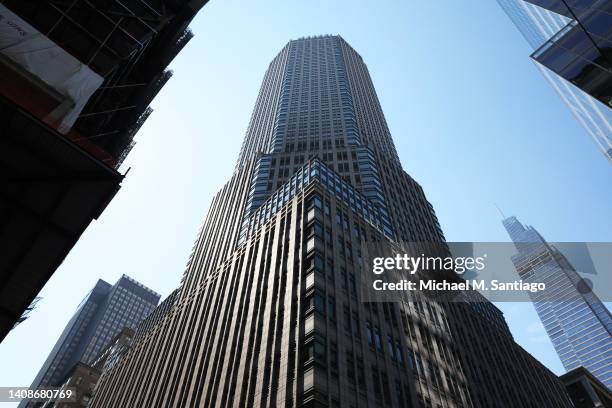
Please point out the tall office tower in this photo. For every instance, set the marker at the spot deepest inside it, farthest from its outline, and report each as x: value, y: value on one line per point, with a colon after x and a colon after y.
x: 77, y: 78
x: 82, y: 379
x: 269, y: 313
x: 577, y: 322
x: 102, y: 314
x: 578, y: 85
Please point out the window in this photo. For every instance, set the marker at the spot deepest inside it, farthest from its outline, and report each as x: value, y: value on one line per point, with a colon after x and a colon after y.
x: 398, y: 392
x: 331, y: 309
x: 310, y: 280
x: 352, y: 284
x: 316, y: 229
x: 316, y: 202
x: 308, y: 379
x: 390, y: 347
x: 343, y: 276
x: 369, y: 334
x: 317, y: 263
x: 376, y: 381
x: 315, y: 350
x: 377, y: 341
x: 360, y: 372
x: 316, y: 301
x: 328, y: 238
x: 330, y: 268
x: 411, y: 360
x: 356, y: 326
x: 350, y: 367
x: 398, y: 353
x: 333, y: 359
x: 327, y: 209
x: 347, y: 317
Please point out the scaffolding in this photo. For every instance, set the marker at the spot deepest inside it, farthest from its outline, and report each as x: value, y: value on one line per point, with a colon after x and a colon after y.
x: 130, y: 44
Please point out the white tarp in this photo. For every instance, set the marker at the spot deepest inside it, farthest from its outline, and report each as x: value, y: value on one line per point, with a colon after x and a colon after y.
x: 33, y: 51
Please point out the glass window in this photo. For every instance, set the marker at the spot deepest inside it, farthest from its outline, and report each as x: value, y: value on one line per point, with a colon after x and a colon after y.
x: 377, y: 341
x: 316, y: 201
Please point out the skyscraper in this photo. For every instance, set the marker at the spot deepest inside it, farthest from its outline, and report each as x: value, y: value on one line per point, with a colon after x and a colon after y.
x: 269, y: 313
x: 546, y: 28
x: 76, y: 82
x: 82, y: 378
x: 577, y: 322
x: 102, y: 314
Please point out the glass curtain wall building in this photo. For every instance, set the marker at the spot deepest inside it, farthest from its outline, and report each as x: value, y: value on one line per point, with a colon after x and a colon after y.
x: 102, y: 314
x: 539, y: 25
x: 577, y: 322
x: 269, y: 311
x: 582, y: 51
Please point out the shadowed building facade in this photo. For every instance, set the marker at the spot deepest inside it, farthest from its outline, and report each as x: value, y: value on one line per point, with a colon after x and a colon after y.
x: 268, y: 312
x: 76, y: 81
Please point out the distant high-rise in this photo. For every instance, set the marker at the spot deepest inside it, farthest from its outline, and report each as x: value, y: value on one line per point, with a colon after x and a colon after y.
x: 577, y: 322
x: 76, y: 81
x: 582, y: 77
x: 83, y: 378
x: 269, y: 311
x: 102, y: 314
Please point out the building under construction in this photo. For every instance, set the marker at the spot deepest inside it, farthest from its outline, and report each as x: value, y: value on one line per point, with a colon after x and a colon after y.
x: 76, y: 81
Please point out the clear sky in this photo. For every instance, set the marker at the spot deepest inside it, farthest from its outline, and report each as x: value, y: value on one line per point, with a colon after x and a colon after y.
x: 473, y: 120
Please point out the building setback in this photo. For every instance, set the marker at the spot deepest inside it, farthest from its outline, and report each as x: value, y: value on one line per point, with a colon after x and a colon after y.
x: 77, y: 80
x: 583, y: 80
x: 102, y: 315
x: 268, y: 312
x: 577, y: 322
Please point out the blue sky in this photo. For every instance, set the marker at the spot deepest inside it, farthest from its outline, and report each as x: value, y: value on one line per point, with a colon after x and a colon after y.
x: 473, y: 120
